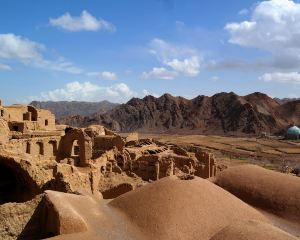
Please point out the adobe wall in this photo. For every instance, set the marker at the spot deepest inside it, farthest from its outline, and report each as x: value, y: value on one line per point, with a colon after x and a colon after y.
x: 84, y: 142
x: 21, y: 186
x: 207, y: 167
x: 15, y: 112
x: 132, y: 137
x: 152, y: 162
x: 17, y: 126
x: 1, y: 111
x: 108, y: 142
x: 145, y: 167
x: 4, y: 132
x: 28, y: 118
x: 46, y: 120
x: 94, y: 131
x: 41, y: 147
x: 117, y: 190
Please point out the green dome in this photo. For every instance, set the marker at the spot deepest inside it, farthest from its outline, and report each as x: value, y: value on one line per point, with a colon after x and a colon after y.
x: 293, y: 131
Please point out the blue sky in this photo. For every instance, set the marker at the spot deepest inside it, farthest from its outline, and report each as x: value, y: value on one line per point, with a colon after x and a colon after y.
x: 116, y: 50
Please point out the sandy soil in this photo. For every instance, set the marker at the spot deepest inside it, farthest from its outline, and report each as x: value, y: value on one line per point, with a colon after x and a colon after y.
x: 272, y: 154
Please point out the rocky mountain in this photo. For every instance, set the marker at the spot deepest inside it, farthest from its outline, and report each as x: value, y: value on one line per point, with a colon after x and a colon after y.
x: 223, y: 113
x: 64, y: 108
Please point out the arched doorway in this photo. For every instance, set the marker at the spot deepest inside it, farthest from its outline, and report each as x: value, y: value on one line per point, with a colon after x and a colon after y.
x: 77, y: 144
x: 75, y: 148
x: 15, y: 183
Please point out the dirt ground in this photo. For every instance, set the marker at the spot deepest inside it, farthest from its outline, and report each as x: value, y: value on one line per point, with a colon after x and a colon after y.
x: 275, y: 154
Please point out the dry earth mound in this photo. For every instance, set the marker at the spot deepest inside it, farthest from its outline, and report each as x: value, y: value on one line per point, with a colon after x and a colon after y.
x: 183, y: 209
x: 252, y: 230
x: 166, y: 209
x: 266, y: 189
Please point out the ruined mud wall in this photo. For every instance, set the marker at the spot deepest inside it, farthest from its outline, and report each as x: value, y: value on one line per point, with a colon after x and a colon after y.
x: 84, y: 142
x: 108, y: 142
x: 43, y: 147
x: 28, y: 118
x: 46, y: 120
x: 4, y: 132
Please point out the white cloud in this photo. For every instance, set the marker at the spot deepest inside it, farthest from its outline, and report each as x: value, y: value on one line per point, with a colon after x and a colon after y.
x: 159, y: 73
x: 189, y: 66
x: 165, y: 51
x: 274, y: 26
x: 181, y: 59
x: 4, y: 67
x: 104, y: 75
x: 88, y: 91
x: 22, y: 49
x: 28, y: 52
x: 85, y: 22
x: 288, y: 77
x: 109, y: 75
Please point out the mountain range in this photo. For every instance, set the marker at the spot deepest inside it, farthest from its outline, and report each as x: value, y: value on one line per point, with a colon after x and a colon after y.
x: 222, y: 113
x: 63, y: 109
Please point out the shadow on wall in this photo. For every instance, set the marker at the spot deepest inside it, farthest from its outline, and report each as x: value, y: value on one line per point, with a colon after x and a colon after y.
x: 15, y: 183
x: 36, y: 226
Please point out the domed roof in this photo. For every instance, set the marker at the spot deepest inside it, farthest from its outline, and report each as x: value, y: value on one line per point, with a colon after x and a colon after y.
x: 294, y: 131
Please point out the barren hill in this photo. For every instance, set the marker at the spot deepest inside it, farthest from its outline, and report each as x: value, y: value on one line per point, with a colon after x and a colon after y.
x: 65, y: 108
x: 223, y: 113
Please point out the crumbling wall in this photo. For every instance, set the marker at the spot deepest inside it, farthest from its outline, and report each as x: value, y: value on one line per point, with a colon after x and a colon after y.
x: 117, y: 190
x: 109, y: 132
x: 84, y: 142
x: 29, y: 118
x: 69, y: 179
x: 180, y: 151
x: 16, y: 183
x: 42, y: 147
x: 4, y: 132
x: 145, y: 167
x: 94, y: 131
x: 154, y: 160
x: 21, y: 220
x: 207, y: 165
x: 45, y: 120
x: 108, y: 142
x: 15, y: 112
x: 132, y: 137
